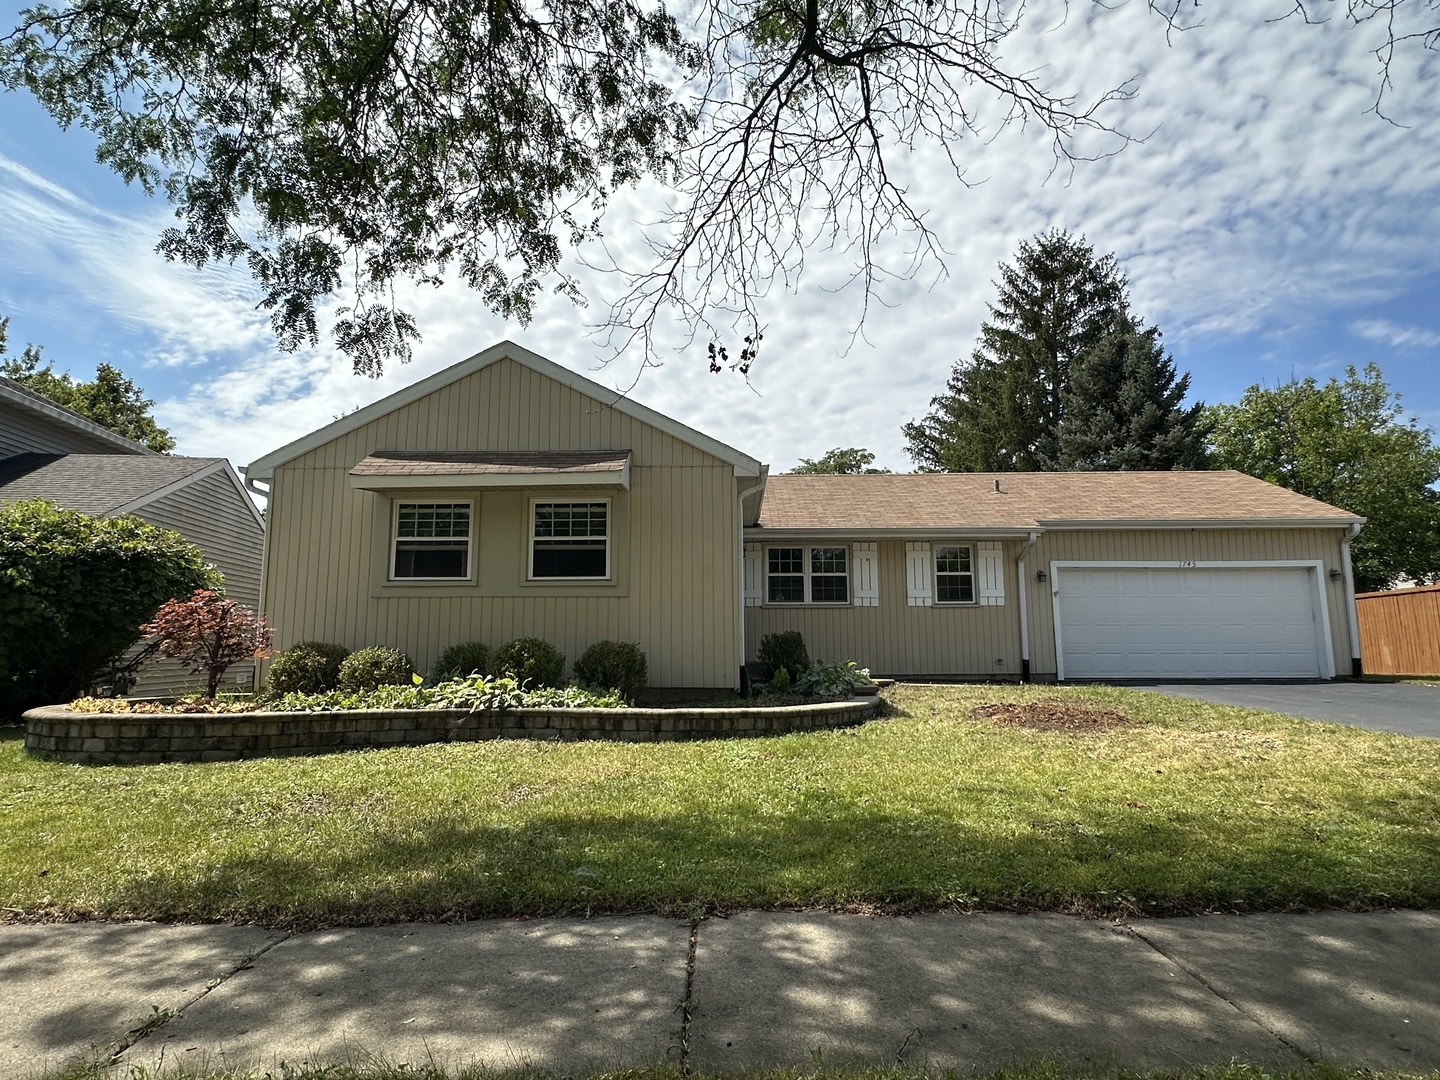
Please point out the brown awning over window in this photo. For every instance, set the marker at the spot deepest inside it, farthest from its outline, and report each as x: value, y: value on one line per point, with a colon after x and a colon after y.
x: 392, y: 469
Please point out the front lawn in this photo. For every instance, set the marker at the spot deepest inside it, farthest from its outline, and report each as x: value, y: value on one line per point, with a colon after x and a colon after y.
x: 1198, y: 807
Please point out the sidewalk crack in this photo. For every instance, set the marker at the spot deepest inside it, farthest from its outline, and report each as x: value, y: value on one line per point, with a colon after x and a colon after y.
x: 1210, y: 986
x: 687, y: 1007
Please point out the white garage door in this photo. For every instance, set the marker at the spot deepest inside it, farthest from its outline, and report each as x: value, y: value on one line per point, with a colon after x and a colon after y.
x: 1193, y: 623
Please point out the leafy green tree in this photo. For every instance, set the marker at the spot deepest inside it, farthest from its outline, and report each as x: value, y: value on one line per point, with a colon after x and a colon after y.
x: 1349, y: 444
x: 848, y: 460
x: 74, y: 591
x: 337, y: 148
x: 1001, y: 411
x: 1124, y: 409
x: 111, y: 400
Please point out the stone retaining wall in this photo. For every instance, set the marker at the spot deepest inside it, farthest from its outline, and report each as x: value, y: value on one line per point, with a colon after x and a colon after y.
x: 148, y: 738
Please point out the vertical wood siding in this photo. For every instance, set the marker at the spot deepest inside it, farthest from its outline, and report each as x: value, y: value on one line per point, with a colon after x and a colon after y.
x: 894, y: 638
x: 681, y: 597
x: 23, y: 432
x: 1198, y: 545
x: 211, y: 514
x: 1400, y: 631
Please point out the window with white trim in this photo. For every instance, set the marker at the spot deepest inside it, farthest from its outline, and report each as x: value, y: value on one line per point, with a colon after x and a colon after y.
x: 431, y: 541
x: 570, y: 541
x: 807, y: 575
x: 954, y: 574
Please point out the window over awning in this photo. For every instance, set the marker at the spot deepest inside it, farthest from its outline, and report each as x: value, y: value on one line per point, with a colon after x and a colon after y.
x: 387, y: 470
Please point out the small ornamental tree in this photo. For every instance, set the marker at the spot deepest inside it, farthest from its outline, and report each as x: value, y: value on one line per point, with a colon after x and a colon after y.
x: 210, y: 633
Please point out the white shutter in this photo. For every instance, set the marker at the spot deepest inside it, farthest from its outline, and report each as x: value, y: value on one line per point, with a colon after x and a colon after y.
x: 991, y: 574
x: 918, y: 592
x: 865, y: 575
x: 754, y: 575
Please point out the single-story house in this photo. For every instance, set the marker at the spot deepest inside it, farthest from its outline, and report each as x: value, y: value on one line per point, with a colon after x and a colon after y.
x: 507, y: 496
x: 55, y: 454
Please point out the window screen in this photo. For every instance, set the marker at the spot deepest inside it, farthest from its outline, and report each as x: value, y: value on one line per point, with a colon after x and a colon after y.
x: 571, y: 540
x: 954, y: 575
x: 829, y: 578
x: 786, y: 575
x: 432, y: 540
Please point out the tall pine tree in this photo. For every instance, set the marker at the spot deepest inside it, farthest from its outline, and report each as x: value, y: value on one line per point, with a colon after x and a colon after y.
x: 1124, y: 409
x: 1002, y: 410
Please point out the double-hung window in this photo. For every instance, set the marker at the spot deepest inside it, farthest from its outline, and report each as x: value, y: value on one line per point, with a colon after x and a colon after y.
x: 954, y: 574
x: 813, y: 575
x: 432, y: 541
x: 570, y: 541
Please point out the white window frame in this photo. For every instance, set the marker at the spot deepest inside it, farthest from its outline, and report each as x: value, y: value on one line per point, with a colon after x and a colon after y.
x: 806, y: 563
x: 936, y: 574
x: 568, y: 501
x: 395, y: 538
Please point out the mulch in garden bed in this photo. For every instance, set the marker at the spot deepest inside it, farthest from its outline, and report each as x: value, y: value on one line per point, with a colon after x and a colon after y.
x: 1052, y: 716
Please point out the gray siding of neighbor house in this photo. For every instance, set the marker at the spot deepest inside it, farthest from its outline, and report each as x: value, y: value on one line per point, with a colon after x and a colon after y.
x: 674, y: 587
x: 24, y: 432
x: 972, y: 641
x: 211, y: 513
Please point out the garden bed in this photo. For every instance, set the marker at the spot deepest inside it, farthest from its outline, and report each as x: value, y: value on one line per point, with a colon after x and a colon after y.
x: 145, y: 738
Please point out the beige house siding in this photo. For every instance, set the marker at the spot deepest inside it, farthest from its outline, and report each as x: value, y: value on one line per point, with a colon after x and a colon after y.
x: 211, y: 514
x: 1181, y: 545
x: 23, y: 432
x: 894, y: 639
x: 674, y: 558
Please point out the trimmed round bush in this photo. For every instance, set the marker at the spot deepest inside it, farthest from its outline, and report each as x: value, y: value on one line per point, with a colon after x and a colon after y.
x: 614, y: 665
x: 458, y: 661
x: 309, y: 667
x: 373, y: 667
x: 783, y: 650
x: 532, y: 661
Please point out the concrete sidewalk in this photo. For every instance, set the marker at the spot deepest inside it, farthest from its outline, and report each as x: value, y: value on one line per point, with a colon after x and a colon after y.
x: 969, y: 992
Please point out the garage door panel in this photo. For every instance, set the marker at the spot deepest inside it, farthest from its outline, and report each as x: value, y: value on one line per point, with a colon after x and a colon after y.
x: 1201, y: 622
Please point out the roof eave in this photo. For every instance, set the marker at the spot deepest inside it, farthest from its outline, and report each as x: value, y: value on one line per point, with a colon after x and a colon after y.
x: 1336, y: 522
x: 37, y: 404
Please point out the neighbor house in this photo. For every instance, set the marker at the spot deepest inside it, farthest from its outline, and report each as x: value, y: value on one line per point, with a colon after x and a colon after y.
x: 507, y: 496
x: 49, y: 452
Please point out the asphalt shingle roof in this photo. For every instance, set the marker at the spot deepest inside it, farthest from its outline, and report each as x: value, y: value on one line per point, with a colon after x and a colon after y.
x: 488, y: 462
x: 902, y: 501
x: 95, y: 484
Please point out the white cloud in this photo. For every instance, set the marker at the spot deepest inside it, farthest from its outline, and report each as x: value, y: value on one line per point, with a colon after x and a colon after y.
x: 1394, y: 335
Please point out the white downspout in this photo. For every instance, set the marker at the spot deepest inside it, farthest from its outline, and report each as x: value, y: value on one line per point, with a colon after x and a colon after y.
x: 740, y: 531
x: 1357, y: 665
x: 1024, y: 614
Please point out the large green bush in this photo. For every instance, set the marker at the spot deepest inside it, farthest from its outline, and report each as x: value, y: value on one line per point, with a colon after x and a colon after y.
x: 73, y: 592
x: 373, y: 667
x: 783, y: 650
x: 310, y: 667
x: 533, y: 661
x: 466, y: 658
x: 614, y: 665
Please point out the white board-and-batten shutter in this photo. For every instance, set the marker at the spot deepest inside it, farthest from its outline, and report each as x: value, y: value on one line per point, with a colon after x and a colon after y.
x: 754, y: 575
x: 918, y: 589
x: 990, y: 572
x: 865, y: 574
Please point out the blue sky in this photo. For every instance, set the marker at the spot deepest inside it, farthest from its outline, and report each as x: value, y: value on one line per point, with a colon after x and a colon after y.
x: 1270, y: 224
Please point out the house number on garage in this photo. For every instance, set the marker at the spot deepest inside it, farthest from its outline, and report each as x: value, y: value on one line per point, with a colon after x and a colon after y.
x: 1187, y: 564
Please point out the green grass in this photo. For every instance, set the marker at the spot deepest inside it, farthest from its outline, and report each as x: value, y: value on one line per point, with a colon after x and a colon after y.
x: 1201, y: 807
x: 1417, y: 680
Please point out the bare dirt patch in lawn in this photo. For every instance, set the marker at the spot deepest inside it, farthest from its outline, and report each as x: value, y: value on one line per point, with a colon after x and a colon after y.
x: 1052, y: 716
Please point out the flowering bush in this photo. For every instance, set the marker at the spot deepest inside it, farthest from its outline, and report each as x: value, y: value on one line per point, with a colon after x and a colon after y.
x: 825, y: 679
x: 184, y: 705
x: 210, y: 633
x: 476, y: 693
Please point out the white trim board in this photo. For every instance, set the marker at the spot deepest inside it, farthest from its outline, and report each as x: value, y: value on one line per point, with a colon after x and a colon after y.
x: 263, y: 468
x: 1325, y: 647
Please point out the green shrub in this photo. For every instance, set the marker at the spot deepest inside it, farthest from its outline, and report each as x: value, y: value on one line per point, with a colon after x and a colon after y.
x: 74, y: 590
x: 373, y: 667
x: 614, y: 665
x: 476, y: 693
x: 832, y: 680
x: 311, y: 667
x: 466, y: 658
x: 532, y: 661
x: 783, y: 650
x: 780, y: 681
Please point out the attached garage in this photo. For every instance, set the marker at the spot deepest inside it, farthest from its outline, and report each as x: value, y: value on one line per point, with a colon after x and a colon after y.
x: 1191, y: 621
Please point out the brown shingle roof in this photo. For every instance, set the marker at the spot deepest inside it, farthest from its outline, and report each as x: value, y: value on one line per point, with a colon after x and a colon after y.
x: 488, y: 462
x: 1029, y: 500
x: 96, y: 484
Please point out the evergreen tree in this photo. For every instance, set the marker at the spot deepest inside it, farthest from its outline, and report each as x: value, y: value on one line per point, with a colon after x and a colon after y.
x: 1123, y: 409
x: 1002, y: 410
x: 111, y: 400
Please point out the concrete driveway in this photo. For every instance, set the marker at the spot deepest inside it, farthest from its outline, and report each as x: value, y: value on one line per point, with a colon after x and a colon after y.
x: 1407, y: 708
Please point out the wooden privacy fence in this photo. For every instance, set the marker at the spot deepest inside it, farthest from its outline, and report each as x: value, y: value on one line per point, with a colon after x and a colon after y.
x: 1400, y: 631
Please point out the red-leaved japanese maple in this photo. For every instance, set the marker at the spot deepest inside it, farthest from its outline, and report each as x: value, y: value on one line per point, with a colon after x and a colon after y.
x: 210, y: 633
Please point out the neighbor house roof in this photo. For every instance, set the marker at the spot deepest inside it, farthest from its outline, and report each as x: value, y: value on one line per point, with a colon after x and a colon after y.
x: 1019, y: 502
x: 98, y: 484
x: 24, y: 398
x: 263, y: 468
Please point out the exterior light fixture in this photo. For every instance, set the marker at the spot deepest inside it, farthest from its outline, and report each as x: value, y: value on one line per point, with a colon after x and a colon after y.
x: 1039, y: 575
